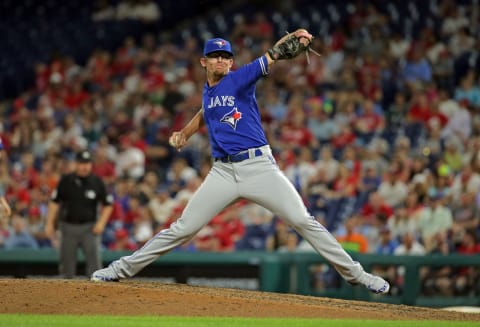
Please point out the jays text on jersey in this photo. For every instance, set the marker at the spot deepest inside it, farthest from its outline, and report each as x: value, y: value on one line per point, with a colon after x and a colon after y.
x: 230, y: 111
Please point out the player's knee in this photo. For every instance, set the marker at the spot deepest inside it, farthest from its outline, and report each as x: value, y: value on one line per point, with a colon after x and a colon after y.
x: 303, y: 222
x: 182, y: 231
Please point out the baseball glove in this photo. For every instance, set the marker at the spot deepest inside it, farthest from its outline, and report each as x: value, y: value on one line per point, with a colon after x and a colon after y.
x: 292, y: 45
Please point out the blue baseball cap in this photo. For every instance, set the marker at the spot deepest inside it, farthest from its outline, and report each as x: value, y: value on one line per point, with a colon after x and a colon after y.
x: 217, y: 44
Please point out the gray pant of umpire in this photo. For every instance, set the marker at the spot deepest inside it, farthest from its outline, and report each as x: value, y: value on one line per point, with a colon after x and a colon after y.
x: 74, y: 236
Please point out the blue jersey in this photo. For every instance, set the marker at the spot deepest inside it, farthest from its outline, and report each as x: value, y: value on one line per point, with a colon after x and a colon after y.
x: 230, y: 110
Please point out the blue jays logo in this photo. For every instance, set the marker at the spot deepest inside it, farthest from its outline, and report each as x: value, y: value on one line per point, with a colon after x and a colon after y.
x: 232, y: 118
x: 220, y: 43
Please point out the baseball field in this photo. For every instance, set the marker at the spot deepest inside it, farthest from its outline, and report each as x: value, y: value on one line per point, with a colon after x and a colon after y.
x: 47, y: 302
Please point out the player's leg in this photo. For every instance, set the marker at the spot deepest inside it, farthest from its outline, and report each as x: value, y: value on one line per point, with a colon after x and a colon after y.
x: 68, y: 250
x: 90, y: 245
x: 271, y: 189
x: 216, y: 192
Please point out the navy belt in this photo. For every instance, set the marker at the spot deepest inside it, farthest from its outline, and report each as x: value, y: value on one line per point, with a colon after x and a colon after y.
x: 240, y: 156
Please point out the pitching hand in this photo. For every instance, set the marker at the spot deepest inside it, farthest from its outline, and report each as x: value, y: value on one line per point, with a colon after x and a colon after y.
x: 178, y: 140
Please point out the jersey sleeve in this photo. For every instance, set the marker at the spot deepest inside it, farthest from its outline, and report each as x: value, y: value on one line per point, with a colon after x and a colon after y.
x: 251, y: 73
x: 58, y: 194
x: 105, y: 197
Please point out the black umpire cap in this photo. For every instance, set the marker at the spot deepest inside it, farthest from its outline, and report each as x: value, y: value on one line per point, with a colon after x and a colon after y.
x: 84, y: 156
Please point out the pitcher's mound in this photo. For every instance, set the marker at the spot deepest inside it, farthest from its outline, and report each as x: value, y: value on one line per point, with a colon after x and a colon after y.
x: 151, y: 298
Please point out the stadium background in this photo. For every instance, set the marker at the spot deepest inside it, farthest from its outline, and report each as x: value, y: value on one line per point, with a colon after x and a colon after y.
x: 394, y: 100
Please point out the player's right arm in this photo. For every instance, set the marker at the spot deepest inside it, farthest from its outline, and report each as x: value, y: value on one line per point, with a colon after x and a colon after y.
x: 180, y: 138
x: 51, y: 217
x: 53, y: 207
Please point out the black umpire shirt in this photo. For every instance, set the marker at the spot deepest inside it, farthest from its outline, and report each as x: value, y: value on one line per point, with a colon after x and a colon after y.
x: 79, y: 197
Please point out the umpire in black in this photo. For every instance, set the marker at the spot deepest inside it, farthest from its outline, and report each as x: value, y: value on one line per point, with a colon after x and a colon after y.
x: 75, y: 203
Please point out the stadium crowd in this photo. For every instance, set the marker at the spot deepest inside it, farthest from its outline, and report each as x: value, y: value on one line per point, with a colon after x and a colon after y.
x: 381, y: 136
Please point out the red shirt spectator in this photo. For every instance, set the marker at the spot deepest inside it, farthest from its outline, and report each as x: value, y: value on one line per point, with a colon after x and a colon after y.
x: 344, y: 138
x: 375, y: 209
x: 76, y: 97
x: 104, y: 168
x: 420, y: 110
x: 368, y: 121
x: 295, y: 133
x: 369, y: 70
x: 122, y: 63
x: 153, y: 78
x: 122, y: 241
x: 346, y: 183
x: 228, y: 229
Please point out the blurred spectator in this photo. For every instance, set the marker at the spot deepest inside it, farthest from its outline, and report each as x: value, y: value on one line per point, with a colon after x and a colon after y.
x: 295, y: 133
x: 434, y: 219
x: 398, y: 46
x: 345, y: 137
x: 401, y: 223
x: 283, y: 237
x: 368, y: 122
x: 130, y: 161
x: 351, y: 239
x: 103, y: 11
x: 146, y: 11
x: 327, y: 163
x: 452, y: 155
x: 228, y: 228
x: 466, y: 214
x: 346, y: 183
x: 417, y: 70
x: 459, y: 125
x: 452, y: 21
x: 301, y: 170
x: 375, y: 210
x: 409, y: 246
x: 392, y: 189
x: 122, y: 242
x: 439, y: 280
x: 369, y: 182
x: 468, y: 90
x: 466, y: 180
x: 387, y: 244
x: 258, y: 226
x: 19, y: 236
x: 142, y: 224
x: 466, y: 281
x: 179, y: 174
x: 184, y: 195
x: 396, y: 112
x: 161, y: 205
x: 103, y: 166
x: 322, y: 126
x: 461, y: 42
x: 36, y: 226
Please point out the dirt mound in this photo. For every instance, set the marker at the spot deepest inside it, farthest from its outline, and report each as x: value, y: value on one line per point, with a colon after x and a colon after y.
x: 152, y: 298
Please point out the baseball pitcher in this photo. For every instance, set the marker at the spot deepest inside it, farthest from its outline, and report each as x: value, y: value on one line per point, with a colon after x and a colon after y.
x: 243, y: 165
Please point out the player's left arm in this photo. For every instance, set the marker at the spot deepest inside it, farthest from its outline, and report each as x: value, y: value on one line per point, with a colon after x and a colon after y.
x: 102, y: 221
x: 106, y: 212
x: 180, y: 138
x: 289, y: 46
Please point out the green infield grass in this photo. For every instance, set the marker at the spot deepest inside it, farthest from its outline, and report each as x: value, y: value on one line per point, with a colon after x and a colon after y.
x: 28, y: 320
